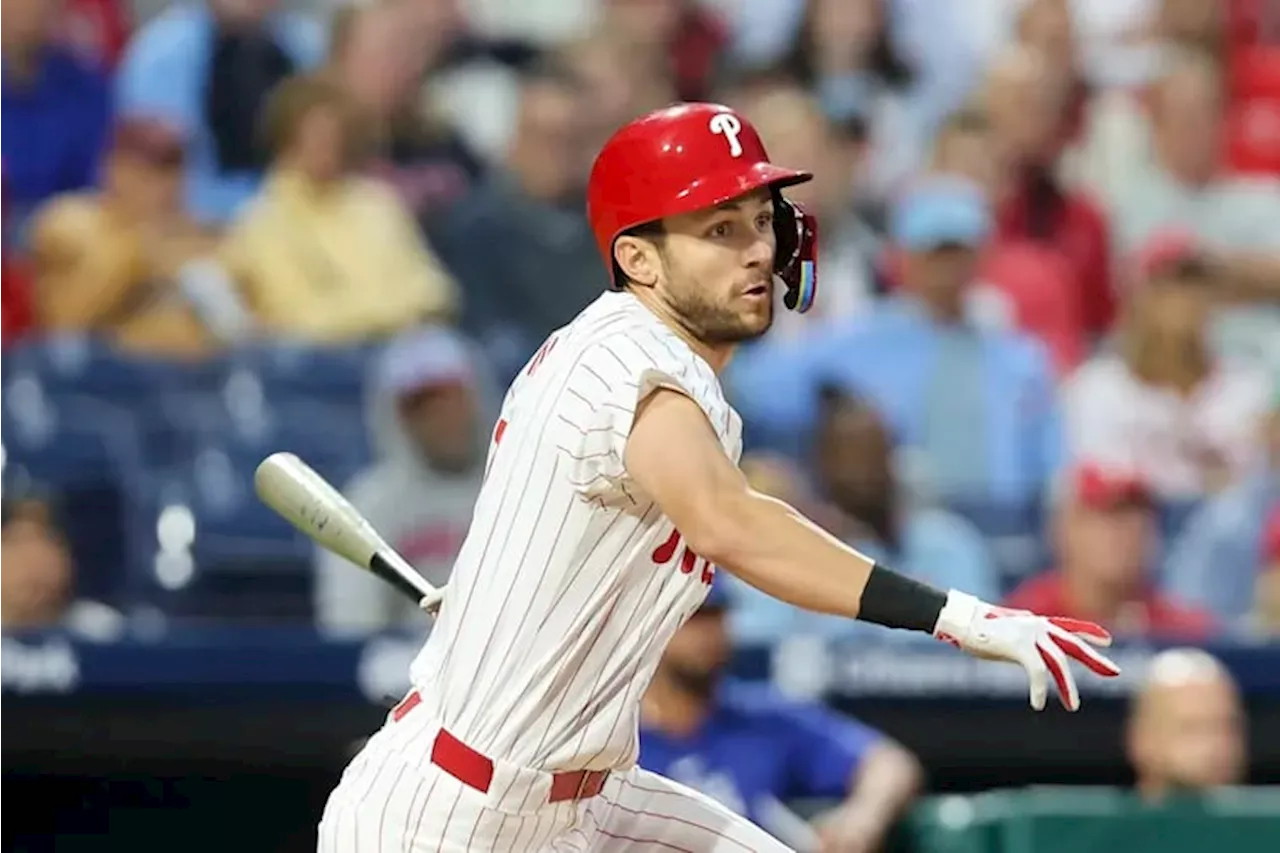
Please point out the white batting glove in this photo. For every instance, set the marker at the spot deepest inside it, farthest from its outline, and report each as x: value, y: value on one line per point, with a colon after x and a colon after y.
x: 1040, y: 644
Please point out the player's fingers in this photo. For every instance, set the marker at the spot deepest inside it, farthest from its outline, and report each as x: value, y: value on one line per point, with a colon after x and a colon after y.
x: 1037, y: 674
x: 1094, y: 661
x: 1091, y: 632
x: 1056, y: 662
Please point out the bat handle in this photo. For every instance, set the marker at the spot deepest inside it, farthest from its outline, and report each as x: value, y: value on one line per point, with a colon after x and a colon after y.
x: 406, y: 581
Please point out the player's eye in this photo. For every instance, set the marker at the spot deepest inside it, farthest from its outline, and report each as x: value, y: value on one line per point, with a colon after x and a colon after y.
x: 764, y: 221
x: 721, y: 230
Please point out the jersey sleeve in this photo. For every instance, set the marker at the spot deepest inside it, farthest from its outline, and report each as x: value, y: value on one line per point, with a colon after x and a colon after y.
x: 826, y: 750
x: 604, y: 389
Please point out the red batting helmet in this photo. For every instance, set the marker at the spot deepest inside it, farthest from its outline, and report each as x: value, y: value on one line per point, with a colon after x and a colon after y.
x: 689, y: 157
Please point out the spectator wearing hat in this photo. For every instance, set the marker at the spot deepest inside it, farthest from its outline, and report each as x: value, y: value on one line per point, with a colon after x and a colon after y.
x: 1219, y: 558
x: 1106, y: 540
x: 973, y: 407
x: 747, y: 747
x: 1163, y: 404
x: 424, y: 415
x: 118, y: 262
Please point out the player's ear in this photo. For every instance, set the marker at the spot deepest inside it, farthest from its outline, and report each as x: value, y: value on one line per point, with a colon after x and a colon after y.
x: 638, y: 259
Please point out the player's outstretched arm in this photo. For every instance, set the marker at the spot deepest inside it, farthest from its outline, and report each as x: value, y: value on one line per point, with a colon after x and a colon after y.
x: 674, y: 455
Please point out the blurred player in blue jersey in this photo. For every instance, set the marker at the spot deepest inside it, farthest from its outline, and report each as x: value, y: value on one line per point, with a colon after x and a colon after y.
x: 753, y: 750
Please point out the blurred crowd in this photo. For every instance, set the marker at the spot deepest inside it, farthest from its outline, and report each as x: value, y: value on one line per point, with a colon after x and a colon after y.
x: 1044, y: 365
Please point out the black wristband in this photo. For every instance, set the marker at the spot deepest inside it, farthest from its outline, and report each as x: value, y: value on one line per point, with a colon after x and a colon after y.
x: 897, y: 601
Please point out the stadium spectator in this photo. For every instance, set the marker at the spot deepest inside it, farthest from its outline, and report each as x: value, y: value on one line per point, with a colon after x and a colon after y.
x: 39, y: 578
x: 1106, y: 537
x: 62, y: 106
x: 379, y: 54
x: 796, y: 130
x: 848, y: 53
x: 751, y: 750
x: 1182, y: 186
x: 875, y: 513
x: 1217, y: 558
x: 323, y: 254
x: 1024, y: 284
x: 1047, y: 27
x: 208, y: 66
x: 118, y: 262
x: 1162, y: 405
x: 975, y: 406
x: 1186, y: 731
x: 520, y: 245
x: 97, y: 29
x: 424, y: 420
x: 618, y: 80
x: 37, y: 575
x: 681, y: 38
x: 1026, y: 104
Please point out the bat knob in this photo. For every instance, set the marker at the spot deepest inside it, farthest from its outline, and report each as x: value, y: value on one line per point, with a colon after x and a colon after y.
x: 431, y: 603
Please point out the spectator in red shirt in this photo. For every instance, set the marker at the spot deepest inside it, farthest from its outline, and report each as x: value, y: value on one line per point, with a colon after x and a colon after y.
x: 1024, y: 284
x: 1026, y: 105
x: 1106, y: 536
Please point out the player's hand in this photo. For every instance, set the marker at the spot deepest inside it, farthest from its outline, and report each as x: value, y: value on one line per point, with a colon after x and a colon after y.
x: 1043, y: 645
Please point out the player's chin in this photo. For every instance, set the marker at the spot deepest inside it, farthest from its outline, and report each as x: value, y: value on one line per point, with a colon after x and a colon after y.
x: 756, y: 321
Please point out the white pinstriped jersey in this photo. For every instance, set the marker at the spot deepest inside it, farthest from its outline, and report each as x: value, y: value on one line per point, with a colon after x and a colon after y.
x: 571, y: 580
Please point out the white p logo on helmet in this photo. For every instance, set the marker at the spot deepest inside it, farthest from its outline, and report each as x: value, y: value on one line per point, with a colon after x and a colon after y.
x: 728, y: 125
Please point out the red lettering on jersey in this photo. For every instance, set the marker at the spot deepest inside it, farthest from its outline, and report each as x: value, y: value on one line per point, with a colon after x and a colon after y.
x: 664, y: 552
x: 542, y: 353
x: 499, y: 429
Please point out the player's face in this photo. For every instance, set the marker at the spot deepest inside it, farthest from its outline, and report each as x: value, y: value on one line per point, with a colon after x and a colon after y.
x: 718, y: 269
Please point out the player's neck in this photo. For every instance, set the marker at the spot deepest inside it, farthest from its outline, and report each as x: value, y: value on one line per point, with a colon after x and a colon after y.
x: 717, y: 356
x: 671, y: 710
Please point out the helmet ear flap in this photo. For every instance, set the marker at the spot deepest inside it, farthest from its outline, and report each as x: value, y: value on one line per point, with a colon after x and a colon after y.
x: 796, y: 257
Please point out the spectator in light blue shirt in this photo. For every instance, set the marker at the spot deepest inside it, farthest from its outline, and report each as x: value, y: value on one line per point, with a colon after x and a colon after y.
x: 1216, y: 560
x: 973, y: 408
x: 208, y: 67
x: 854, y: 472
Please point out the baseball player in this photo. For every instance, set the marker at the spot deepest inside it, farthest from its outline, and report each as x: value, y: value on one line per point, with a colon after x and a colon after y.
x: 612, y: 494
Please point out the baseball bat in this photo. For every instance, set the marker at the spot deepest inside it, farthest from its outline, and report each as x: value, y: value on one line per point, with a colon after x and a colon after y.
x: 306, y: 500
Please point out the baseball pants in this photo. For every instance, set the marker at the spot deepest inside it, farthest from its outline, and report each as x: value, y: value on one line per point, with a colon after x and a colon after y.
x: 392, y: 799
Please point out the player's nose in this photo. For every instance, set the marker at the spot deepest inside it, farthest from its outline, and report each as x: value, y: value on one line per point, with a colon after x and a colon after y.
x: 759, y: 255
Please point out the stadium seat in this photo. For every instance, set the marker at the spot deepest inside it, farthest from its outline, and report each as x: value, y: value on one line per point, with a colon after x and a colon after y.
x: 1014, y: 532
x: 298, y: 372
x: 87, y: 368
x: 80, y: 450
